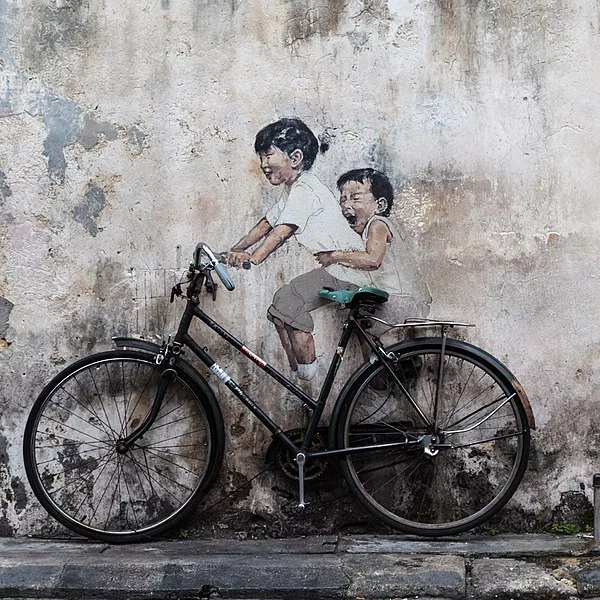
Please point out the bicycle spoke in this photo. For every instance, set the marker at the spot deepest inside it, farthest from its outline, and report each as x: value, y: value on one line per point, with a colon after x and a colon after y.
x: 81, y: 468
x: 449, y: 478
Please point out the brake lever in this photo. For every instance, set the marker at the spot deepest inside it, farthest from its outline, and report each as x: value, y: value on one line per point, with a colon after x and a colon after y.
x: 175, y: 291
x: 211, y: 286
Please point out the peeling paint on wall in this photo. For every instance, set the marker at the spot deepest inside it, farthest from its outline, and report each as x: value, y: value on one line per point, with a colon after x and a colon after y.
x: 7, y: 525
x: 136, y: 140
x: 5, y: 308
x: 61, y: 116
x: 92, y: 132
x: 5, y: 191
x: 89, y: 210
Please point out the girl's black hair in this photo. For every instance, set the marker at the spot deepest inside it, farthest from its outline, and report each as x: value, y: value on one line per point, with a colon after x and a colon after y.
x: 289, y: 135
x: 380, y: 185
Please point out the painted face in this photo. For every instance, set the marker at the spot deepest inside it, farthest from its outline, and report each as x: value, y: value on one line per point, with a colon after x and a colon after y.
x: 277, y: 166
x: 358, y: 204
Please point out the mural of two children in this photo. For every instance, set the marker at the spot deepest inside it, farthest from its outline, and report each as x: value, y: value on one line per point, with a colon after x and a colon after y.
x: 353, y: 241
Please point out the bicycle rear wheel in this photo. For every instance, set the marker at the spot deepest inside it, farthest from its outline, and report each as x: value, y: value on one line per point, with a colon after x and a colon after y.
x: 83, y: 474
x: 453, y: 461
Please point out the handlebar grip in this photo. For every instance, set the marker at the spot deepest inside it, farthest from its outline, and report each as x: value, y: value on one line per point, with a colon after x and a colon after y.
x: 224, y: 276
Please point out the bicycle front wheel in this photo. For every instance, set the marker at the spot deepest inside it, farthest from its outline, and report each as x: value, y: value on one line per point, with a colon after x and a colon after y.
x: 457, y: 441
x: 89, y: 480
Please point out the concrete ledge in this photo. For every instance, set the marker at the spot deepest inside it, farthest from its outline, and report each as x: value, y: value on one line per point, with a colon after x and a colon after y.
x: 508, y: 578
x: 393, y: 576
x: 317, y: 568
x: 536, y: 545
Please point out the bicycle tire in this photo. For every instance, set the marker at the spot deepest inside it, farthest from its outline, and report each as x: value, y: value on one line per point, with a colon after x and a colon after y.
x: 467, y: 481
x: 90, y: 483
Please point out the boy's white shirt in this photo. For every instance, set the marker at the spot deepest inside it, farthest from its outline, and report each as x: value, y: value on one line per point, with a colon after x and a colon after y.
x: 398, y: 273
x: 312, y: 208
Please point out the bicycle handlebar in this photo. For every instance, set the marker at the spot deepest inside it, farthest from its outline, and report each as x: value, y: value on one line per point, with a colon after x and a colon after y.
x: 221, y: 270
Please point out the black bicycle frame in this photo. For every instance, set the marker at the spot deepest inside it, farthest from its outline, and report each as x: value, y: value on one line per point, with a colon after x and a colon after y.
x: 183, y: 338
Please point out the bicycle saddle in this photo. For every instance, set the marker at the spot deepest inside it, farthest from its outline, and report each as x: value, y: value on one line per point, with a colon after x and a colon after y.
x: 363, y: 294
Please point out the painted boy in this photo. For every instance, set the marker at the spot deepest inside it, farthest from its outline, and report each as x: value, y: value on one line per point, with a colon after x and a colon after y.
x: 366, y: 200
x: 308, y: 210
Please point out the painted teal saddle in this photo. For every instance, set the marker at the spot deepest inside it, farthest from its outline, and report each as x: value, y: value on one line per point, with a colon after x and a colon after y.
x: 366, y: 294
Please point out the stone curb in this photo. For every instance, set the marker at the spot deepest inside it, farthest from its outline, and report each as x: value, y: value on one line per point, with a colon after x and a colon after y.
x: 365, y: 567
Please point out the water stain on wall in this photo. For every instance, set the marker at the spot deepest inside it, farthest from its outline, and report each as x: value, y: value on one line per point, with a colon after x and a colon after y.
x: 54, y: 30
x: 307, y: 18
x: 455, y: 32
x: 90, y: 209
x: 466, y: 35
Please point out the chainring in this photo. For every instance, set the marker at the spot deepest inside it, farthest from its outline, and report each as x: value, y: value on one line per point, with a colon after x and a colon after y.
x: 286, y: 462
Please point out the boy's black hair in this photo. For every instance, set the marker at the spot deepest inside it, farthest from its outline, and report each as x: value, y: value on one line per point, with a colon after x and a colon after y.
x: 380, y: 185
x: 289, y: 135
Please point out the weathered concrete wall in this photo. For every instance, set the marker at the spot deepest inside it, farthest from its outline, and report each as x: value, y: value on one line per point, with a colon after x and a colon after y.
x: 126, y: 134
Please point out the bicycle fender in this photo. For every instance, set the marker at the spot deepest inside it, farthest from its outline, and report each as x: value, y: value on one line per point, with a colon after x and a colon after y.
x: 504, y: 371
x: 402, y: 347
x: 137, y: 343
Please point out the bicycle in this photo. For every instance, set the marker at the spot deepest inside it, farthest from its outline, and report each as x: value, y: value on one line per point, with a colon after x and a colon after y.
x: 432, y: 434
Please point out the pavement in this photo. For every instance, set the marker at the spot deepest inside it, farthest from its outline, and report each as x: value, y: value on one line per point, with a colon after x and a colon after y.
x: 502, y: 567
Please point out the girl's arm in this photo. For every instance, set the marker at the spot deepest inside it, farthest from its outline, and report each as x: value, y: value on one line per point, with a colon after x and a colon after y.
x: 368, y: 260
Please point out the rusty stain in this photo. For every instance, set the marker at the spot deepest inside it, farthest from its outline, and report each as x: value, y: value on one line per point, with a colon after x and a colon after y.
x: 211, y: 211
x: 107, y: 182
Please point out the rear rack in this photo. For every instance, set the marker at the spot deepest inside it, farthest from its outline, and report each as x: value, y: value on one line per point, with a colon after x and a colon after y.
x: 415, y: 322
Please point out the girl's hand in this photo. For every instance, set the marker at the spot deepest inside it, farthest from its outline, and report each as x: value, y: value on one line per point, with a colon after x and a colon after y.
x: 325, y: 258
x: 237, y: 259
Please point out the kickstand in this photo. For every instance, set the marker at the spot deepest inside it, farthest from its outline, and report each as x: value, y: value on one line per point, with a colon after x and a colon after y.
x: 300, y: 460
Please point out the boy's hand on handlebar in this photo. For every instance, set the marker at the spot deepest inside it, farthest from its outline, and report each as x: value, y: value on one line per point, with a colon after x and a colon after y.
x: 238, y: 259
x: 324, y: 258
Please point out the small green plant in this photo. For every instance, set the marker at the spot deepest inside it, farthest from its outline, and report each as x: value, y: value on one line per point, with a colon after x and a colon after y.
x: 184, y: 534
x: 493, y: 531
x: 564, y: 528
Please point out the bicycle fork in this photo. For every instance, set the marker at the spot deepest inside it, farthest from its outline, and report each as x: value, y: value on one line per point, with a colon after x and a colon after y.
x: 166, y: 378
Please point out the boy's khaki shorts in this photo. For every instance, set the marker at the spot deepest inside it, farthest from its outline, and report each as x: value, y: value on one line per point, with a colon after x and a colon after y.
x: 294, y: 302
